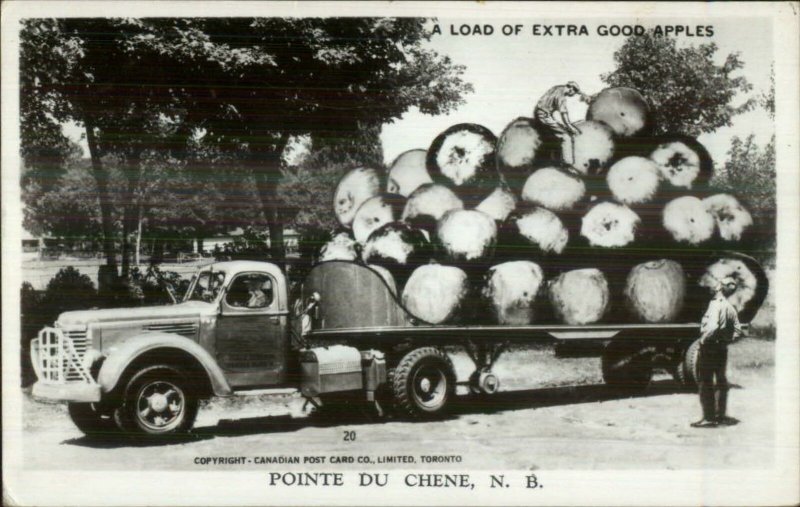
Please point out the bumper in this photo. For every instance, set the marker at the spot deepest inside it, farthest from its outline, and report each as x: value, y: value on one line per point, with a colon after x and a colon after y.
x: 73, y: 391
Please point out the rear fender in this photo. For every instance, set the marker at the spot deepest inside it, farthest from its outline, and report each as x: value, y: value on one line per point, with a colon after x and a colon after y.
x: 121, y: 357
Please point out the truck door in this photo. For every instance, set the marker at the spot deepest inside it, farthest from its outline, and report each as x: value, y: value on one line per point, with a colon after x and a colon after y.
x: 251, y: 332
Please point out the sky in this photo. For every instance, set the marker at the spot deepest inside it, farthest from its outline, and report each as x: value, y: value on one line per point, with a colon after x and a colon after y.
x: 509, y: 74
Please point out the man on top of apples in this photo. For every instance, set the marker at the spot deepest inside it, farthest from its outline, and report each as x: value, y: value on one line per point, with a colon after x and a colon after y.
x: 551, y: 111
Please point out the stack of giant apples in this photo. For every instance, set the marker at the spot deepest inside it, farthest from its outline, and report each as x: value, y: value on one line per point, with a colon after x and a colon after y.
x: 497, y: 230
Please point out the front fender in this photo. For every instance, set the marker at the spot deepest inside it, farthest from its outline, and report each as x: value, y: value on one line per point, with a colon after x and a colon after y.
x: 122, y: 356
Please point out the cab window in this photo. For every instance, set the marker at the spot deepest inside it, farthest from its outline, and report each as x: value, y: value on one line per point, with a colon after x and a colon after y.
x: 207, y: 286
x: 250, y: 290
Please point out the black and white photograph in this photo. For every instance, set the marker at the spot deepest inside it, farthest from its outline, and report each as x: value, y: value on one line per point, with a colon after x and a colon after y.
x: 456, y: 253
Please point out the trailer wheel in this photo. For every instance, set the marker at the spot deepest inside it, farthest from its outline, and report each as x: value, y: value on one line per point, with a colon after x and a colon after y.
x: 93, y: 419
x: 686, y: 370
x: 423, y: 383
x: 158, y: 401
x: 626, y: 366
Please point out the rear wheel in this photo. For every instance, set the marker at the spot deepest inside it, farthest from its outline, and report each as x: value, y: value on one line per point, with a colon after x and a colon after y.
x: 158, y: 401
x: 93, y: 419
x: 423, y: 383
x: 627, y: 366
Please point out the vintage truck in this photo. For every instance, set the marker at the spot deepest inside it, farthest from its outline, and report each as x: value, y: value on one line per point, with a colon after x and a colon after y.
x: 143, y: 371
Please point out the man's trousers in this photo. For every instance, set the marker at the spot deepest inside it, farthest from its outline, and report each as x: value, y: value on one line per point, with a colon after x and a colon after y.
x: 560, y: 132
x: 712, y: 382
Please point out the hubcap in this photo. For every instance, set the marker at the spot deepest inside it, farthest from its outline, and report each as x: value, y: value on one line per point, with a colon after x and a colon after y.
x: 160, y: 405
x: 158, y: 402
x: 429, y: 388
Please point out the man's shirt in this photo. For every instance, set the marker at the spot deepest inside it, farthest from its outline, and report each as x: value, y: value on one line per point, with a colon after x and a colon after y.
x: 257, y: 299
x: 554, y: 100
x: 720, y: 322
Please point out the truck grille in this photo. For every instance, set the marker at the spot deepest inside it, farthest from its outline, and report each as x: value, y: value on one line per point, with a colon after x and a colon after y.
x: 58, y: 355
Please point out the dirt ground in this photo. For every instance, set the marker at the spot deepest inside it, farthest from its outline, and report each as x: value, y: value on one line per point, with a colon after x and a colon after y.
x: 565, y: 420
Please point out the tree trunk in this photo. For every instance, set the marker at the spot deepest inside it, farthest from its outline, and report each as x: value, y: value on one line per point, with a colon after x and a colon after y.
x: 266, y: 169
x: 139, y: 219
x: 100, y: 176
x: 126, y: 246
x: 133, y: 174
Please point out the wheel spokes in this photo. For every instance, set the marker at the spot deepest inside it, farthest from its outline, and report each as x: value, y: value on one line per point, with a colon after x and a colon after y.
x: 160, y: 405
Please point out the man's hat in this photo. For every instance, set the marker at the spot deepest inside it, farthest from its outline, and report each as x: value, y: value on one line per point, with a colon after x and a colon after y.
x: 574, y: 86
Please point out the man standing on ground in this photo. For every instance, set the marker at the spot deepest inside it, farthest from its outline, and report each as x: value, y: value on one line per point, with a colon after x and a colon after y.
x: 719, y: 327
x: 551, y: 110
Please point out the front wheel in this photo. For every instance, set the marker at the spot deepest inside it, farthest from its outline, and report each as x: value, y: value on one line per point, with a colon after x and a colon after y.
x: 93, y: 419
x: 158, y: 401
x: 423, y: 383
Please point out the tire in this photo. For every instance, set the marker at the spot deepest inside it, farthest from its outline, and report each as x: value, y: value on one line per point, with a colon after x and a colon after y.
x: 423, y: 383
x: 686, y: 370
x: 626, y: 366
x: 158, y: 401
x: 93, y: 419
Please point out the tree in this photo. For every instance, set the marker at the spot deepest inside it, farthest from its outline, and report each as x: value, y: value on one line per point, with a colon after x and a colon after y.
x: 767, y: 98
x: 306, y: 189
x: 89, y: 72
x: 45, y: 58
x: 67, y: 210
x: 750, y: 174
x: 331, y: 78
x: 237, y: 88
x: 687, y: 91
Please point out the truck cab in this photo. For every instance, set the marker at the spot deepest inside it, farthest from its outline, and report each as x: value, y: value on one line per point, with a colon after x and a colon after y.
x: 247, y: 323
x: 145, y: 368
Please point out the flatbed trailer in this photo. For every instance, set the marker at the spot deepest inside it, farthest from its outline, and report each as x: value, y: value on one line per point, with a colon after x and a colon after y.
x: 373, y: 318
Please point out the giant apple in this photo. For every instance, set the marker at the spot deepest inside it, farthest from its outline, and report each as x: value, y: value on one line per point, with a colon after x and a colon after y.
x: 467, y: 235
x: 688, y: 221
x: 633, y: 180
x: 593, y: 147
x: 353, y: 189
x: 610, y: 225
x: 436, y: 294
x: 553, y: 189
x: 408, y: 172
x: 623, y: 109
x: 580, y: 296
x: 463, y: 158
x: 375, y: 212
x: 510, y: 290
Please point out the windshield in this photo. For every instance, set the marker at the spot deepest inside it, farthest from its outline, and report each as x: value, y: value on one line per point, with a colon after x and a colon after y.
x: 206, y: 286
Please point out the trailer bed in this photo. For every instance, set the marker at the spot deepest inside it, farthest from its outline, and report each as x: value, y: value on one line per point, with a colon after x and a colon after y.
x: 515, y: 334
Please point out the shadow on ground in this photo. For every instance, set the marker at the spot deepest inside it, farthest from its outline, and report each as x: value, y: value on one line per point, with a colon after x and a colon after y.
x: 365, y: 414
